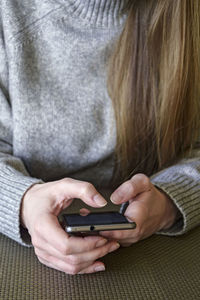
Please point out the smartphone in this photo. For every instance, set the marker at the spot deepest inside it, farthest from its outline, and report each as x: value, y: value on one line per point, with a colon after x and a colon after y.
x: 91, y: 224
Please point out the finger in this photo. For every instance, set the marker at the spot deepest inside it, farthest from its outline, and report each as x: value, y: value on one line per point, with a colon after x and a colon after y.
x: 95, y: 267
x: 49, y: 232
x: 137, y: 184
x: 136, y: 212
x: 125, y: 241
x: 93, y: 255
x: 89, y: 267
x: 50, y: 251
x: 117, y: 235
x: 59, y: 265
x: 77, y: 259
x: 133, y: 240
x: 84, y: 211
x: 45, y: 262
x: 72, y: 264
x: 71, y: 188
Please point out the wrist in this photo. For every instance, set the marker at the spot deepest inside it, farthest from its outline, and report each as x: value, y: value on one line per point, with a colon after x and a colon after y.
x: 24, y: 201
x: 171, y: 212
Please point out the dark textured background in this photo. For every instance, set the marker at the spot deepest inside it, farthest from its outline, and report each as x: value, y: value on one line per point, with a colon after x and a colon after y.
x: 156, y: 268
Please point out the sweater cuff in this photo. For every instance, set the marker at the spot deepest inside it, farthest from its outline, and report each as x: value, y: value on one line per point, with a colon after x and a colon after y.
x: 185, y: 193
x: 13, y: 186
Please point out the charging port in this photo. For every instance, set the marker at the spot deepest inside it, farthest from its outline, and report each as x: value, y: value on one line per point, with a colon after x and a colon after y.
x: 92, y: 228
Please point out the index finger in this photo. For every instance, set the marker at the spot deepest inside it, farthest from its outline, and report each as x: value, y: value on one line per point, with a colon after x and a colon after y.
x: 72, y: 188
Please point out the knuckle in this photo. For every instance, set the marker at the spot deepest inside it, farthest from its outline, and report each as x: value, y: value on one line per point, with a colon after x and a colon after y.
x: 138, y: 234
x: 37, y: 252
x: 35, y: 241
x: 43, y: 256
x: 73, y: 270
x: 144, y: 179
x: 86, y: 188
x: 40, y: 259
x: 64, y: 248
x: 54, y: 191
x: 37, y: 227
x: 129, y: 186
x: 74, y: 260
x: 64, y: 181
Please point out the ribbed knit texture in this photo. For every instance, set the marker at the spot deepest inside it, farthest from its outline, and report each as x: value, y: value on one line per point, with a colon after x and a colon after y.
x: 12, y: 187
x: 182, y: 183
x: 98, y: 12
x: 56, y: 118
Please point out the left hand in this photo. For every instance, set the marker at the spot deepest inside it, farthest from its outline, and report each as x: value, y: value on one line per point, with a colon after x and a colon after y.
x: 151, y: 209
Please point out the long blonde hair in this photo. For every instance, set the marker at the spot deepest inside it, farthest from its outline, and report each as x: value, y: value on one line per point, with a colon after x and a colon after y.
x: 154, y: 83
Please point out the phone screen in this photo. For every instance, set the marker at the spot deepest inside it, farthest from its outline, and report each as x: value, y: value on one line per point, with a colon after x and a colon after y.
x: 101, y: 218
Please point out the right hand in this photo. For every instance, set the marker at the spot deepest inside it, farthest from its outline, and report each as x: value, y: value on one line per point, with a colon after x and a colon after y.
x: 41, y: 205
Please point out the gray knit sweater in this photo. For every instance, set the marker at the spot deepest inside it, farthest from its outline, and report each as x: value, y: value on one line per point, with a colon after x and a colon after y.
x: 56, y: 118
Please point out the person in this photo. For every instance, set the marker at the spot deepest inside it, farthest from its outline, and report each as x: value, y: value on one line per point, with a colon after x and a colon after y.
x: 98, y: 94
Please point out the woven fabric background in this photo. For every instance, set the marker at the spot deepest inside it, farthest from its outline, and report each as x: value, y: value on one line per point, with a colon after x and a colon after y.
x: 156, y: 268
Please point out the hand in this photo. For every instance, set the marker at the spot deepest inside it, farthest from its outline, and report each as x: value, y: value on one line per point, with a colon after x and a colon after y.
x: 151, y: 209
x: 41, y: 205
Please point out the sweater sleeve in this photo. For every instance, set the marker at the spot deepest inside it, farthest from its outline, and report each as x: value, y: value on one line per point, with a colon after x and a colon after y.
x: 14, y: 178
x: 182, y: 184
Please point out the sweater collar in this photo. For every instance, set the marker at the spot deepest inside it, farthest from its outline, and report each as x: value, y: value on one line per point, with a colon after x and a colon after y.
x: 98, y: 12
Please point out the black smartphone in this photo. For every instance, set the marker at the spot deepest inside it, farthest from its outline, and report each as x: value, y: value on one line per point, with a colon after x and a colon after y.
x: 91, y: 224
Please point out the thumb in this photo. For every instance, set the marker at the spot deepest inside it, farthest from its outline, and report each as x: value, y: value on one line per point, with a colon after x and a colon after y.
x: 138, y: 184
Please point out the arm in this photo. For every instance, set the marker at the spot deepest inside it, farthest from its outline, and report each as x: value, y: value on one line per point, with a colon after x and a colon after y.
x: 168, y: 202
x: 181, y: 182
x: 14, y: 178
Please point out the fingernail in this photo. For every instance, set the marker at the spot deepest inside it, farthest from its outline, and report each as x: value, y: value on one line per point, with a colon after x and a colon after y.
x: 99, y: 200
x: 99, y: 268
x: 101, y: 242
x: 114, y: 247
x: 115, y: 199
x: 118, y: 195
